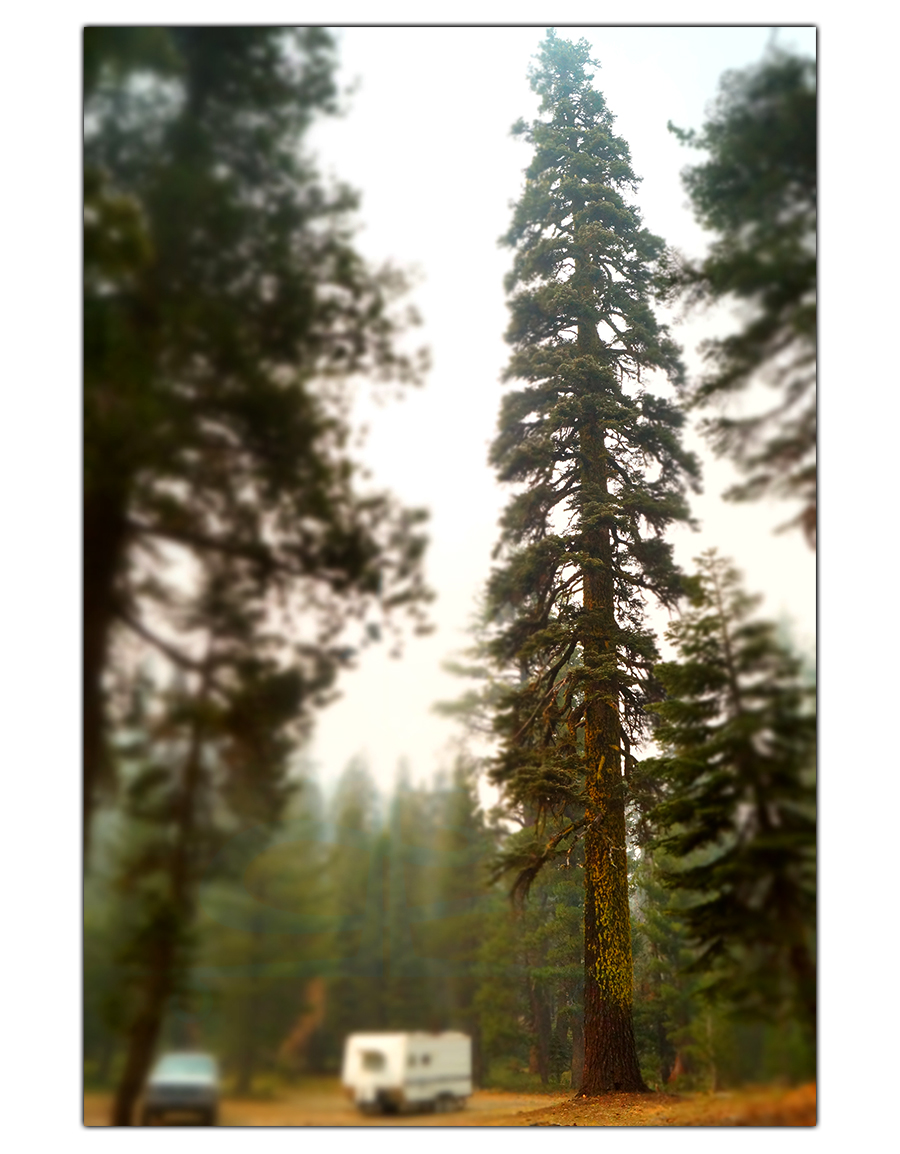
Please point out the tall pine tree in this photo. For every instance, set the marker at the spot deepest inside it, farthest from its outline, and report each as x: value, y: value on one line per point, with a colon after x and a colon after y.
x: 600, y: 473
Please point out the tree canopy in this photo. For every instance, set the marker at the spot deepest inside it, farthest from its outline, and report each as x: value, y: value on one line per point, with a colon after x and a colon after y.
x: 756, y: 193
x: 225, y: 312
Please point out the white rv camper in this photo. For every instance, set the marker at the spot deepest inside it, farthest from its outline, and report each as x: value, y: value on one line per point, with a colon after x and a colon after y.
x: 396, y: 1072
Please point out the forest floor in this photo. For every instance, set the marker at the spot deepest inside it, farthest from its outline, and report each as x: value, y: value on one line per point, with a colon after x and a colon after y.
x: 324, y: 1105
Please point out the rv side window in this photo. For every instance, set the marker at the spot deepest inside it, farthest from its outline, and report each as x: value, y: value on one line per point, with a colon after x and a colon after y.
x: 373, y: 1060
x: 426, y: 1058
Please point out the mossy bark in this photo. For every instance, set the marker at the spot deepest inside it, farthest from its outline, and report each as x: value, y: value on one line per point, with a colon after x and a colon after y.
x: 610, y: 1055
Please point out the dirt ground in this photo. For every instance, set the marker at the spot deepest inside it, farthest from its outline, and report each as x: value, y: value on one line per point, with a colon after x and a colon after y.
x: 326, y: 1106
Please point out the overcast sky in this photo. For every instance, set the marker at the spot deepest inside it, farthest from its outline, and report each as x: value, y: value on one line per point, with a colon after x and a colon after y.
x: 426, y: 142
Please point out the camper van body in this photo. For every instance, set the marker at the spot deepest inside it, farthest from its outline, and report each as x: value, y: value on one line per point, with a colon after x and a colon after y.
x: 394, y: 1072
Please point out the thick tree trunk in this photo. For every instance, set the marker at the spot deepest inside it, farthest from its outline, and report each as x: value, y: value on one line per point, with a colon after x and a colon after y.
x: 610, y: 1055
x: 104, y: 544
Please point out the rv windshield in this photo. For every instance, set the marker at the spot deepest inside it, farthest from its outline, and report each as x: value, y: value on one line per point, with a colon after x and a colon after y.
x: 373, y: 1060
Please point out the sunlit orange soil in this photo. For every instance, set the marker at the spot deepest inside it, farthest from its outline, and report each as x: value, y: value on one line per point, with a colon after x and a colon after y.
x: 764, y: 1106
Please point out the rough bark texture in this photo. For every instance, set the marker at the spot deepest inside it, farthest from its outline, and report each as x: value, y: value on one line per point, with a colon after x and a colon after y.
x: 610, y: 1055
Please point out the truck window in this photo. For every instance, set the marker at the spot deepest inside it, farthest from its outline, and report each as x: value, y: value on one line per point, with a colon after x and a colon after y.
x: 373, y: 1060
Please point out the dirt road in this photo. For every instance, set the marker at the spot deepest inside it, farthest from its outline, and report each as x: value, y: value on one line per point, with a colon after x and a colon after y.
x: 326, y: 1106
x: 329, y: 1107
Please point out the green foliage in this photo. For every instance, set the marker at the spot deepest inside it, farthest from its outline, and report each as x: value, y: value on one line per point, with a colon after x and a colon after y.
x: 225, y: 312
x: 589, y: 448
x: 530, y: 997
x: 665, y: 997
x: 756, y: 192
x: 254, y: 972
x: 738, y: 732
x: 410, y: 903
x: 294, y: 942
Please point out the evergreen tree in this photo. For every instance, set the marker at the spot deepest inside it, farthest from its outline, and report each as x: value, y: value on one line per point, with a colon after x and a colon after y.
x: 260, y: 935
x: 667, y: 1006
x: 411, y: 979
x: 601, y: 474
x: 224, y: 308
x: 738, y: 732
x: 355, y: 869
x: 461, y: 904
x: 756, y: 192
x: 529, y: 996
x: 553, y: 953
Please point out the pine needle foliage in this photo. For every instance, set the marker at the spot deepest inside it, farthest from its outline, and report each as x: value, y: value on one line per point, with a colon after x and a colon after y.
x: 599, y: 474
x: 738, y: 733
x: 226, y: 311
x: 756, y: 192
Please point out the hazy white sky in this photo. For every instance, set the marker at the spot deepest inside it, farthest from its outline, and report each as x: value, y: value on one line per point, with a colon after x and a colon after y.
x: 426, y: 141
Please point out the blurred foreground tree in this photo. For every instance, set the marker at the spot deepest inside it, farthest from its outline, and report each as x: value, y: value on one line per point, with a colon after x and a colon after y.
x: 601, y: 475
x: 738, y: 733
x: 756, y: 193
x: 204, y: 765
x: 225, y: 312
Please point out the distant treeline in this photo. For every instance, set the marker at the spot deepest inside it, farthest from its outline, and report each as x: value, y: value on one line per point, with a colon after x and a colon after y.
x: 370, y: 913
